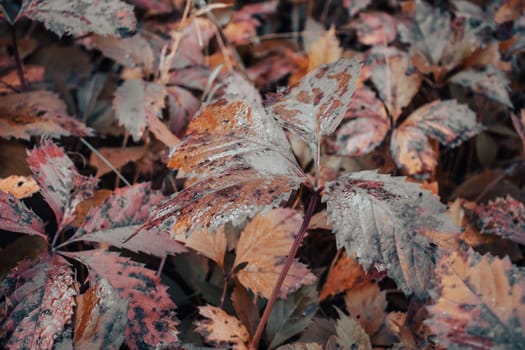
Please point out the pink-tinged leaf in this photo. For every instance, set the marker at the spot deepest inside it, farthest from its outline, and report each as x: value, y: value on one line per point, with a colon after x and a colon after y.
x: 504, y: 217
x: 448, y: 122
x: 182, y: 105
x: 195, y: 77
x: 60, y: 183
x: 317, y: 104
x: 100, y: 319
x: 375, y: 28
x: 135, y: 102
x: 263, y: 246
x: 237, y: 161
x: 16, y: 217
x: 41, y: 295
x: 366, y: 126
x: 479, y: 303
x: 130, y: 52
x: 37, y: 113
x: 79, y: 17
x: 195, y: 36
x: 489, y: 82
x: 381, y: 219
x: 396, y: 80
x: 151, y: 318
x: 122, y: 214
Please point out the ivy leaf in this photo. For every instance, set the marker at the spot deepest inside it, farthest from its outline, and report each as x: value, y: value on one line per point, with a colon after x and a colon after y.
x: 122, y: 214
x: 263, y: 245
x: 317, y: 104
x: 396, y: 79
x: 291, y: 316
x: 380, y: 219
x: 152, y: 321
x: 489, y: 82
x: 100, y: 319
x: 366, y: 126
x: 37, y: 113
x: 79, y: 17
x: 59, y: 181
x: 445, y: 121
x: 479, y: 302
x: 137, y: 101
x: 237, y: 161
x: 222, y: 328
x: 504, y: 217
x: 16, y: 217
x: 41, y: 295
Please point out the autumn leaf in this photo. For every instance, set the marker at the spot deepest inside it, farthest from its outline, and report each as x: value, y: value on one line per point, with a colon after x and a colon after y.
x: 301, y: 346
x: 378, y: 218
x: 16, y: 217
x: 222, y: 328
x: 350, y: 334
x: 263, y: 246
x: 211, y: 245
x: 396, y: 80
x: 37, y: 113
x: 136, y: 103
x: 504, y: 217
x: 317, y: 104
x: 11, y: 80
x: 325, y: 50
x: 237, y: 161
x: 445, y: 121
x: 78, y: 17
x: 19, y: 186
x: 120, y: 215
x: 367, y: 304
x: 40, y: 297
x: 100, y: 319
x: 345, y: 273
x: 489, y: 82
x: 365, y: 126
x: 151, y: 319
x: 291, y: 316
x: 375, y: 28
x: 59, y: 181
x: 479, y: 302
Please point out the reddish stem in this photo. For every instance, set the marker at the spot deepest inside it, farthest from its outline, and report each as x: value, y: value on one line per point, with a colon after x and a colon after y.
x: 284, y: 272
x: 18, y: 61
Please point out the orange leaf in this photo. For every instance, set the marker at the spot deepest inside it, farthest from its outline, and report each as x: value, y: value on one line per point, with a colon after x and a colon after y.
x: 222, y: 328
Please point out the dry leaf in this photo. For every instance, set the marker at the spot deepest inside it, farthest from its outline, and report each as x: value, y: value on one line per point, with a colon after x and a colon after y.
x: 345, y: 274
x: 19, y: 186
x: 326, y: 49
x: 367, y: 304
x: 220, y: 328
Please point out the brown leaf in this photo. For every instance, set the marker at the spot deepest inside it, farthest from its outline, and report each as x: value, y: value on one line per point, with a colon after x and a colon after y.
x: 264, y: 245
x: 118, y: 157
x: 32, y: 74
x: 325, y: 50
x: 479, y: 302
x: 367, y: 304
x: 19, y: 186
x: 211, y: 245
x: 39, y: 113
x: 375, y: 28
x: 222, y: 328
x: 345, y: 274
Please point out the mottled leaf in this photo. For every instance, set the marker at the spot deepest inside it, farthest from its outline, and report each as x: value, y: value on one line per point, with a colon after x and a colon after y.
x: 317, y: 104
x: 366, y: 124
x: 237, y: 161
x: 120, y: 215
x: 479, y: 303
x: 40, y: 297
x: 291, y: 316
x: 489, y: 82
x: 445, y: 121
x: 375, y: 28
x: 380, y: 219
x: 504, y: 217
x: 37, y: 113
x: 79, y: 17
x: 264, y: 245
x: 152, y: 321
x: 100, y: 319
x: 396, y: 81
x: 350, y: 334
x: 60, y: 183
x: 16, y: 217
x: 136, y: 101
x: 222, y: 329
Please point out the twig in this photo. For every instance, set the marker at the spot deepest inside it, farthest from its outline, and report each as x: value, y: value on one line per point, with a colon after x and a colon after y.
x: 104, y: 159
x: 284, y: 272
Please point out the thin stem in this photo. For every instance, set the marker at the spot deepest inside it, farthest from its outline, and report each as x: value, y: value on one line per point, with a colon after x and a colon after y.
x: 18, y: 61
x: 284, y: 272
x: 104, y: 159
x: 224, y: 290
